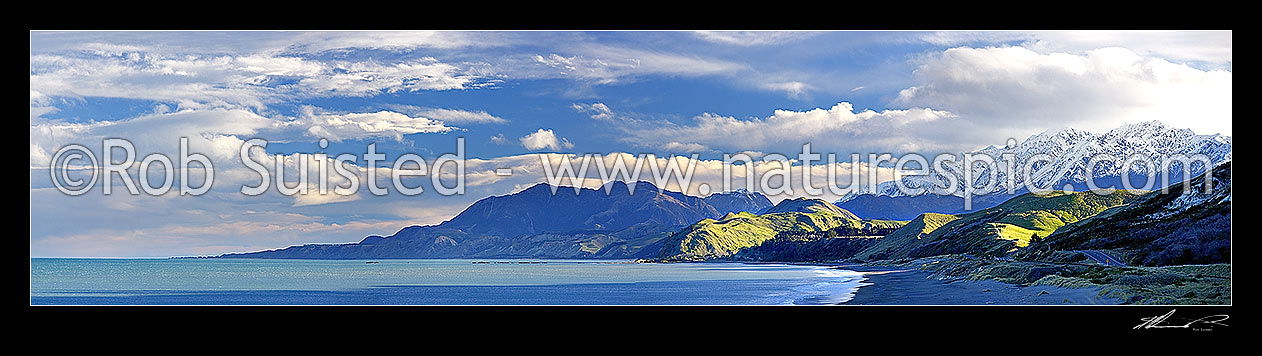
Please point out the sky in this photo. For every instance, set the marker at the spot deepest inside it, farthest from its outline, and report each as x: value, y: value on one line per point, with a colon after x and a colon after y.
x: 516, y: 96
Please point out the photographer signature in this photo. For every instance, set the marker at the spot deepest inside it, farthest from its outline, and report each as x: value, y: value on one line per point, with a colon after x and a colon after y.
x: 1156, y: 322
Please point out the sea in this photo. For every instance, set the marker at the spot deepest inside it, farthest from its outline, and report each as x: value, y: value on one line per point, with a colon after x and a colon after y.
x: 215, y: 281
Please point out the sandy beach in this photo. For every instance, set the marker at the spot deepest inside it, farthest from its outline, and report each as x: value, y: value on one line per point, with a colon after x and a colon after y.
x: 886, y: 286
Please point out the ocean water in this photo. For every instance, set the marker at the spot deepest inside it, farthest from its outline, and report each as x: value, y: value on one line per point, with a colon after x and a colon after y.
x: 62, y: 281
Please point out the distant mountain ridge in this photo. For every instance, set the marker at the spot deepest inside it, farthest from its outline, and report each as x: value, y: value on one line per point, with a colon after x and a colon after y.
x: 536, y: 223
x: 808, y: 205
x: 872, y: 206
x: 537, y: 210
x: 738, y: 201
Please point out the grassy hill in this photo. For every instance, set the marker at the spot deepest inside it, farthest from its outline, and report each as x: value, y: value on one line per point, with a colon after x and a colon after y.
x: 897, y: 243
x: 733, y: 232
x: 994, y: 231
x: 1159, y: 229
x: 808, y: 205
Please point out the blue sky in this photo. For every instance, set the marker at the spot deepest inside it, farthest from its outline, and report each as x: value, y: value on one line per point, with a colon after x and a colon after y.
x: 514, y: 95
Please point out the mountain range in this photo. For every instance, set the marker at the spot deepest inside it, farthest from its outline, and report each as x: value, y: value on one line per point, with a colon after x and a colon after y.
x: 641, y: 221
x: 537, y: 223
x: 1069, y: 151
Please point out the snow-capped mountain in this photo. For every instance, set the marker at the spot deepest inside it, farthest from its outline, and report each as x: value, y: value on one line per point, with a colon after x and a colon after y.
x: 1068, y: 152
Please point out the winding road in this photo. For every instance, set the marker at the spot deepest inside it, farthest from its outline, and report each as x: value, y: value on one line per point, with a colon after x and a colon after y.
x: 1102, y: 258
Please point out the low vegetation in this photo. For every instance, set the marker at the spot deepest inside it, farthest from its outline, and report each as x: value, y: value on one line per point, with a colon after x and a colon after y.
x: 1159, y: 229
x: 1191, y: 284
x: 1180, y: 242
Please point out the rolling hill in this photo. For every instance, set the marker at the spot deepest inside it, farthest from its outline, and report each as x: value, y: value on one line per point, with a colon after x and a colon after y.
x: 1183, y: 226
x: 994, y: 231
x: 716, y: 238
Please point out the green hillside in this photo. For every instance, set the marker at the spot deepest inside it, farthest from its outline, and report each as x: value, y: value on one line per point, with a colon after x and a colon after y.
x: 905, y: 238
x: 995, y: 231
x: 1177, y: 227
x: 808, y: 205
x: 711, y: 238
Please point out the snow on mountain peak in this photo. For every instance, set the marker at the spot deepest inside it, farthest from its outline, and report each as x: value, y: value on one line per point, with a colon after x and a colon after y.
x: 1071, y: 149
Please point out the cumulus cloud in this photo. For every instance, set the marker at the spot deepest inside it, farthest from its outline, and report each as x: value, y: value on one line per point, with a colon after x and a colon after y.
x: 837, y: 128
x: 1212, y: 47
x: 1014, y: 87
x: 545, y: 139
x: 338, y: 127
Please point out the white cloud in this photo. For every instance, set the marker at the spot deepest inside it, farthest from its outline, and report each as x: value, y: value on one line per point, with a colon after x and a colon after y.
x: 251, y: 80
x: 835, y: 128
x: 598, y: 111
x: 499, y: 139
x: 545, y: 139
x: 338, y: 127
x: 1017, y: 89
x: 604, y: 64
x: 315, y: 198
x: 366, y: 78
x: 212, y: 132
x: 315, y: 42
x: 753, y: 38
x: 219, y: 134
x: 461, y: 116
x: 1197, y: 46
x: 216, y: 131
x: 792, y: 89
x: 684, y: 147
x: 40, y: 105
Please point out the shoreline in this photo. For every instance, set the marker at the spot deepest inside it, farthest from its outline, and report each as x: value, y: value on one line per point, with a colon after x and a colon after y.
x: 905, y: 286
x: 956, y: 280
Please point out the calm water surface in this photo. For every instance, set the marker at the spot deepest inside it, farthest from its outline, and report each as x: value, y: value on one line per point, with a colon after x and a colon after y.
x: 430, y: 282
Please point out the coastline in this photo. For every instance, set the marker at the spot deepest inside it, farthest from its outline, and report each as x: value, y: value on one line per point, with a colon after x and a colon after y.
x: 950, y: 280
x: 906, y: 286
